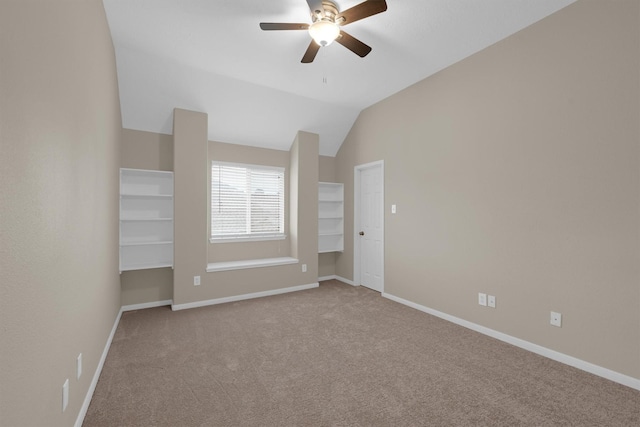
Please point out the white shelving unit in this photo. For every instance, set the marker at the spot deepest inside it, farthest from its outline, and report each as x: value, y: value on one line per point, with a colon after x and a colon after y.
x: 330, y: 217
x: 146, y: 219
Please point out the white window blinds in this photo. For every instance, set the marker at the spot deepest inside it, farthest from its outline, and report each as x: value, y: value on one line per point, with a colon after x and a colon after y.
x: 247, y: 201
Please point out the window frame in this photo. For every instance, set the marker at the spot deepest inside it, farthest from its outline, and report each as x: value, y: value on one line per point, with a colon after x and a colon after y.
x: 249, y: 237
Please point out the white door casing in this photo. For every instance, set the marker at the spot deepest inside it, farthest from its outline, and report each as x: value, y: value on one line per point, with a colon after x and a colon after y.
x: 369, y: 225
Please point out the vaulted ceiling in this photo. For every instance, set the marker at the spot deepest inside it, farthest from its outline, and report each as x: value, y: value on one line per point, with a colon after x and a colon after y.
x: 212, y: 56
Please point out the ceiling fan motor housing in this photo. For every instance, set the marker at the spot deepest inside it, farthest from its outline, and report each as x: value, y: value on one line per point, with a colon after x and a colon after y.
x: 329, y: 12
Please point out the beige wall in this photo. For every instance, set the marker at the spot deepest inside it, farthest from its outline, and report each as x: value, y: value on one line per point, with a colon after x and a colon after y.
x: 516, y: 173
x: 327, y: 173
x: 191, y: 227
x: 146, y: 286
x: 304, y: 201
x: 146, y: 150
x: 326, y: 169
x: 153, y: 151
x: 60, y: 139
x: 190, y: 203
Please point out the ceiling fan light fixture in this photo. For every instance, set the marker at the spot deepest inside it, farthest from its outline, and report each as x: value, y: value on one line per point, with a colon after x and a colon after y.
x: 324, y: 32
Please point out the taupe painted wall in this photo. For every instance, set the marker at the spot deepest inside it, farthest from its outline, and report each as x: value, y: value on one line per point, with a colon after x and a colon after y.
x: 327, y: 173
x: 153, y: 151
x: 326, y: 169
x: 146, y: 286
x: 516, y: 172
x: 146, y: 150
x: 60, y: 138
x: 303, y: 215
x: 191, y: 227
x: 190, y: 203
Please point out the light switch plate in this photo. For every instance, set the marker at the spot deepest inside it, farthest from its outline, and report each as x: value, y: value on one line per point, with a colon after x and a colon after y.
x: 556, y: 319
x: 393, y: 209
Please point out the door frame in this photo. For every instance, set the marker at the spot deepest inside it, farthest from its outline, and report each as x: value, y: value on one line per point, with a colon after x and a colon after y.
x: 357, y: 170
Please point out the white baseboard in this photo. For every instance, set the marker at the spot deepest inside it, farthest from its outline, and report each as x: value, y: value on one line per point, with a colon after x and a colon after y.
x: 347, y: 281
x: 534, y: 348
x: 234, y: 298
x: 142, y: 306
x: 334, y: 277
x: 96, y: 375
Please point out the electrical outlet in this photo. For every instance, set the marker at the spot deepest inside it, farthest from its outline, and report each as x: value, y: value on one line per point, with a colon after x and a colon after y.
x: 482, y: 299
x: 491, y: 301
x: 556, y: 319
x: 304, y: 268
x: 196, y: 280
x: 65, y: 394
x: 79, y: 366
x: 393, y: 209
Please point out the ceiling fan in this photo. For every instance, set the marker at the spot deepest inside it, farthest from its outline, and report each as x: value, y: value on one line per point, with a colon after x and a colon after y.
x: 326, y: 22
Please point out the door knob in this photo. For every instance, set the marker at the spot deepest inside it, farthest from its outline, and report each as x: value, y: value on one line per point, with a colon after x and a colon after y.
x: 362, y: 233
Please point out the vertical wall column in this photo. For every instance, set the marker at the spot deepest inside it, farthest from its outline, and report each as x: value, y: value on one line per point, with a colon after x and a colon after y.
x: 190, y: 188
x: 303, y: 197
x: 294, y: 184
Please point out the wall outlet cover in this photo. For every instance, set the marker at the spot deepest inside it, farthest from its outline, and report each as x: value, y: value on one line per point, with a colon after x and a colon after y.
x: 482, y: 299
x: 196, y: 280
x: 491, y: 301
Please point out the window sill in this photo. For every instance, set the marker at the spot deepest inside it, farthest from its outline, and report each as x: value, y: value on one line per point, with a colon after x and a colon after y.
x: 249, y: 263
x: 246, y: 239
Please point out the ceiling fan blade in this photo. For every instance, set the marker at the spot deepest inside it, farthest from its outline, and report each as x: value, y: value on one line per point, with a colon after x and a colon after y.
x: 311, y: 52
x: 268, y: 26
x: 362, y: 10
x: 353, y: 44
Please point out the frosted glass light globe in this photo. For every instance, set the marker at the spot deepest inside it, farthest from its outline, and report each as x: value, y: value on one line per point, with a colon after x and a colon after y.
x: 324, y: 32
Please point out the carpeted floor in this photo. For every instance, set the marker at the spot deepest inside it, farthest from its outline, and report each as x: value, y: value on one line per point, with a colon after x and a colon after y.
x: 336, y: 356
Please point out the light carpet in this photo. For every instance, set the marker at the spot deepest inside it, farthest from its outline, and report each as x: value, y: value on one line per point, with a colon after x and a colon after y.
x: 336, y: 355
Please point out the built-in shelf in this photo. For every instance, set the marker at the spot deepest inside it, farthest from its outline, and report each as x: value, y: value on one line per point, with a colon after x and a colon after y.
x: 146, y: 219
x: 330, y: 217
x: 146, y: 243
x: 146, y: 196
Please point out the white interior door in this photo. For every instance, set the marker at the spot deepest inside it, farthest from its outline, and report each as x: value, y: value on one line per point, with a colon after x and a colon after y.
x: 371, y: 226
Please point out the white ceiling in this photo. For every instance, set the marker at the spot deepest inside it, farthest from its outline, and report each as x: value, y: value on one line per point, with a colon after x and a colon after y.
x: 211, y: 56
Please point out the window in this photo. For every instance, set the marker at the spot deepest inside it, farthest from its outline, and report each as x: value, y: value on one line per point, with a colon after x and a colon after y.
x: 247, y: 202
